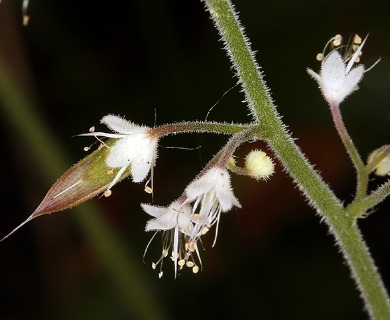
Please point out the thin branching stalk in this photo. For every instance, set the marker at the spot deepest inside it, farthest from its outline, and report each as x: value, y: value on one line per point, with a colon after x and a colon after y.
x: 341, y: 225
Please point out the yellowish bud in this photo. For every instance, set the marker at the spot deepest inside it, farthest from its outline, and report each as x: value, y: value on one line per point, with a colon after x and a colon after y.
x: 259, y: 165
x: 383, y: 166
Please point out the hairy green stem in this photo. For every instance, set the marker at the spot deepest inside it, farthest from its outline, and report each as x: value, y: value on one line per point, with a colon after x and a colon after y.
x: 341, y: 225
x: 210, y: 127
x: 359, y: 208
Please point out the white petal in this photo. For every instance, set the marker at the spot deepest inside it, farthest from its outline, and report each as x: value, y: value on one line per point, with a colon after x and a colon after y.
x: 202, y: 185
x: 154, y: 211
x: 156, y: 224
x: 121, y: 125
x: 227, y: 199
x: 314, y: 75
x: 352, y: 80
x: 333, y: 76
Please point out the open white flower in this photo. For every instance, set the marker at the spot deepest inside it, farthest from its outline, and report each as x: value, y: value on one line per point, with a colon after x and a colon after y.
x: 211, y: 194
x: 176, y: 223
x: 337, y: 78
x: 136, y: 148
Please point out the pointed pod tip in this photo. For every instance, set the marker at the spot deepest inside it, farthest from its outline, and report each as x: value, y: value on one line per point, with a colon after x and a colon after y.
x: 18, y: 227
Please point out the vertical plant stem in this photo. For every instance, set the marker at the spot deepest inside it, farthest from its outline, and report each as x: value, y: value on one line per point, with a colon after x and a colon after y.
x: 346, y: 233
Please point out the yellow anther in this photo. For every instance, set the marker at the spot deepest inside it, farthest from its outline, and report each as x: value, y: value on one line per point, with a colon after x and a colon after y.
x: 107, y: 193
x: 337, y: 40
x: 148, y: 190
x: 357, y: 39
x: 320, y: 57
x: 195, y: 269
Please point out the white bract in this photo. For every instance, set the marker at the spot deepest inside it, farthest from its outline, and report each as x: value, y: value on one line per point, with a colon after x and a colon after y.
x: 136, y: 147
x: 337, y: 78
x: 211, y: 194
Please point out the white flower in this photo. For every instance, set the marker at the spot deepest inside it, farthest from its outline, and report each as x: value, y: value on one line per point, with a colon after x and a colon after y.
x: 212, y: 194
x: 136, y: 148
x: 175, y: 222
x: 176, y: 215
x: 337, y: 79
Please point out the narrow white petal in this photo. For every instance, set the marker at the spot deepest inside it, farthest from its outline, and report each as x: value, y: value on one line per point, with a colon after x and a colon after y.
x: 355, y: 55
x: 121, y: 125
x: 154, y: 211
x: 352, y: 80
x: 314, y: 75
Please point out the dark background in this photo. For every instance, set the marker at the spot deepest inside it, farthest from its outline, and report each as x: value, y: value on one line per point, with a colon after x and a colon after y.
x: 161, y: 61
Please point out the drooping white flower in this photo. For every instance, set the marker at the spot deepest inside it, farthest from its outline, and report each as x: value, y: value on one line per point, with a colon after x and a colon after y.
x: 136, y: 148
x: 176, y: 223
x: 337, y: 78
x: 211, y: 194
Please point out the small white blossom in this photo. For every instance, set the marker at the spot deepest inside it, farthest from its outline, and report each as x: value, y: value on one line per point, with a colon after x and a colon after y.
x: 135, y: 148
x: 176, y: 223
x: 337, y: 78
x: 211, y: 194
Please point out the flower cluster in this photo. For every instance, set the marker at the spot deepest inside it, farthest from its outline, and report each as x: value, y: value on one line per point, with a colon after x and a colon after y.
x: 183, y: 224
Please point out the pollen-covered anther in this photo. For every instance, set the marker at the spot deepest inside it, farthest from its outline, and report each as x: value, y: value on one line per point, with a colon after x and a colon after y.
x: 92, y: 129
x: 160, y: 274
x: 205, y: 230
x: 165, y: 253
x: 181, y: 263
x: 87, y: 148
x: 195, y: 269
x: 191, y: 246
x: 148, y: 190
x: 357, y: 40
x: 337, y: 40
x: 196, y: 217
x: 320, y: 56
x: 154, y: 266
x: 107, y: 193
x: 190, y: 264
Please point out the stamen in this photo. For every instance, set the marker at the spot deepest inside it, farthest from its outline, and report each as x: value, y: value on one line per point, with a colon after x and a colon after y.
x: 320, y: 57
x: 181, y: 263
x: 148, y: 190
x: 190, y: 246
x: 154, y: 265
x: 357, y: 40
x: 160, y: 275
x: 107, y: 193
x: 190, y: 264
x: 195, y: 269
x: 92, y: 129
x: 337, y: 40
